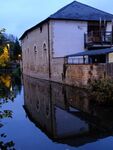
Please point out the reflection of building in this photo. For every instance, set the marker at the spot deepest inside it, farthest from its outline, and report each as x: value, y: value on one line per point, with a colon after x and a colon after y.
x: 49, y: 46
x: 56, y: 111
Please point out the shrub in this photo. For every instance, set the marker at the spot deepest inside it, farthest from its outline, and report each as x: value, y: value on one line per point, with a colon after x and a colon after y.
x: 101, y: 90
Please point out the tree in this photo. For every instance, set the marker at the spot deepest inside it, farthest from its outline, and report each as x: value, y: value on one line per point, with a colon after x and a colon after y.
x: 2, y: 37
x: 17, y: 49
x: 4, y: 57
x: 2, y: 40
x: 9, y: 48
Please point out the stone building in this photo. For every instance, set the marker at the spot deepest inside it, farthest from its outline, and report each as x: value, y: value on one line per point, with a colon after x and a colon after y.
x: 48, y: 46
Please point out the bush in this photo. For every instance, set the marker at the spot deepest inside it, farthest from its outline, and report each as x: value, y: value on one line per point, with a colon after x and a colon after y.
x: 101, y: 90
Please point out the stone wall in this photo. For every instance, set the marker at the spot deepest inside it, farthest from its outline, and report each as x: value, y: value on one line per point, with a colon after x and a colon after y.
x: 57, y: 69
x: 35, y: 52
x: 79, y: 75
x: 76, y: 74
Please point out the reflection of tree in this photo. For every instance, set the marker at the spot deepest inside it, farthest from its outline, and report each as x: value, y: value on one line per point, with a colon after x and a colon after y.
x: 5, y: 86
x: 5, y: 114
x: 16, y: 81
x: 4, y: 57
x: 10, y: 86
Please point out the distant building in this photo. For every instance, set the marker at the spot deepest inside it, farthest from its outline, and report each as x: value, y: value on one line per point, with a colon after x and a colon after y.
x: 76, y: 28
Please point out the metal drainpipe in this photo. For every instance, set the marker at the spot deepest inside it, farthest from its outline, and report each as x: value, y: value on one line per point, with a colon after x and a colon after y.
x: 111, y: 34
x: 49, y: 59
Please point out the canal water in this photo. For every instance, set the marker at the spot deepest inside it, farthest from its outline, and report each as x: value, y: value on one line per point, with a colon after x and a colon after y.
x: 42, y: 115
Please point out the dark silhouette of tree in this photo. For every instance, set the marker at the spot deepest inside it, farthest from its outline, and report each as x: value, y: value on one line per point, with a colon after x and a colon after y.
x: 2, y: 37
x: 14, y: 45
x: 17, y: 49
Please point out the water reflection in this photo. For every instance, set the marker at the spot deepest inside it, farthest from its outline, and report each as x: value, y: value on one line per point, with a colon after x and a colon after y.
x: 10, y: 86
x: 67, y: 115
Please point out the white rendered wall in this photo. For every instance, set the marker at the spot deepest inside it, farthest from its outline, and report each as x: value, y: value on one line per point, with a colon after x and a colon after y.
x: 68, y: 37
x: 109, y: 26
x: 110, y: 56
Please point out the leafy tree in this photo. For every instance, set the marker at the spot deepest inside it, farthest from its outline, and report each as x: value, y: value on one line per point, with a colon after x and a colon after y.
x: 16, y: 49
x: 4, y: 57
x: 14, y: 45
x: 2, y: 40
x: 2, y: 37
x: 10, y: 49
x: 102, y: 90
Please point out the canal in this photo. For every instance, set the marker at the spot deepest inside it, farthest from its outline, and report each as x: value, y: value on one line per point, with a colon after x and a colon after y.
x: 42, y: 115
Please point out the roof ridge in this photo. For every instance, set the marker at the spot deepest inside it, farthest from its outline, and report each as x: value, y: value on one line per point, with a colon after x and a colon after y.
x: 93, y: 8
x: 62, y: 8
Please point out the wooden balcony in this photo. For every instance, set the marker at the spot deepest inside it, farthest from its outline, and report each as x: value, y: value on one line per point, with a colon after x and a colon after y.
x: 98, y: 39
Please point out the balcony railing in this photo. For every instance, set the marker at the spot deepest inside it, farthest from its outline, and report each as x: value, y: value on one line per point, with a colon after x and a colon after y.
x: 93, y: 39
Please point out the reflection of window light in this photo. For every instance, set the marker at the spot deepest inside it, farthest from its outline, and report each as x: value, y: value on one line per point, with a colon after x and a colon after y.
x: 95, y: 60
x: 11, y: 89
x: 19, y: 56
x: 8, y: 46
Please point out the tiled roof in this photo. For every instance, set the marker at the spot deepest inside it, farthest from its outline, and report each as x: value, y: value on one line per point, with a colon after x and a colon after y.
x: 79, y: 11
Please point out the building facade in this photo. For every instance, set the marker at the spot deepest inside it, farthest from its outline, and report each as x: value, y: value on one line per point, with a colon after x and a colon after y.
x: 73, y: 29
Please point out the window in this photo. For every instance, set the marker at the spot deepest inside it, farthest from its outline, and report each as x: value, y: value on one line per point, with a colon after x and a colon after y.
x: 44, y: 47
x: 40, y: 29
x: 35, y: 49
x: 45, y: 54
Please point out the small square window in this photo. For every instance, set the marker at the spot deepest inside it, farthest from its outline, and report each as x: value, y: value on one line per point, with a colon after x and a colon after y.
x: 40, y: 29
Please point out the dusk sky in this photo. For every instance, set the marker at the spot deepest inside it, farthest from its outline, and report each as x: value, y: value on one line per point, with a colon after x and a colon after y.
x: 18, y: 16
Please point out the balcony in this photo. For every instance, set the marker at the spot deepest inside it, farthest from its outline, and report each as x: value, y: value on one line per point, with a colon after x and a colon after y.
x: 98, y: 40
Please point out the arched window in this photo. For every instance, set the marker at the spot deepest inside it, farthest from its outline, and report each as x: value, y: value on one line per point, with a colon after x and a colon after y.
x: 38, y: 105
x: 44, y: 47
x: 35, y: 49
x: 44, y: 53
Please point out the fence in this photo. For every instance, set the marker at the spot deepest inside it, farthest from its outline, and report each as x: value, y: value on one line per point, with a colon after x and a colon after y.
x: 109, y: 69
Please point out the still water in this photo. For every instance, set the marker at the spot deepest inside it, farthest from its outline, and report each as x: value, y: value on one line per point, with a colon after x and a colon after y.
x: 41, y: 115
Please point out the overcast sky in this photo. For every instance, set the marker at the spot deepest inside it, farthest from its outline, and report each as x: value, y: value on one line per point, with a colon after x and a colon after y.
x: 19, y: 15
